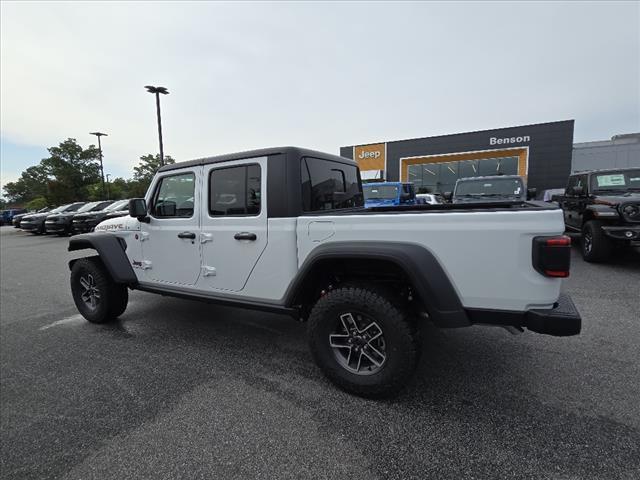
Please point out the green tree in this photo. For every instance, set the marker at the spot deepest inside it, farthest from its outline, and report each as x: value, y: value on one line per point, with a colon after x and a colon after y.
x: 36, y: 204
x: 118, y: 189
x: 63, y: 177
x: 31, y: 184
x: 148, y: 167
x: 71, y: 170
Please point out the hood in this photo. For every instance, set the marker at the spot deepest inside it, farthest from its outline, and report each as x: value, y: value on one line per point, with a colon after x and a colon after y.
x: 90, y: 214
x: 33, y: 216
x: 61, y: 215
x: 613, y: 200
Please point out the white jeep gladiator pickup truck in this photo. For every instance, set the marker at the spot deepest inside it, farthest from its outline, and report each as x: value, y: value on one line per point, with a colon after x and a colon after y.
x: 285, y: 230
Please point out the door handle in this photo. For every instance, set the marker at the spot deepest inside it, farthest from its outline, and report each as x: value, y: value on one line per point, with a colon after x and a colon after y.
x: 245, y: 236
x: 189, y: 235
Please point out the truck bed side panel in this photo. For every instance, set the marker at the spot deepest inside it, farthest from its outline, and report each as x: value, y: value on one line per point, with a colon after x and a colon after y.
x: 487, y: 255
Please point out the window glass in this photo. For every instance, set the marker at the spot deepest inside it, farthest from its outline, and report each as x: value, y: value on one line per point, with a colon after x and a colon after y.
x: 493, y: 186
x: 620, y: 181
x: 73, y: 208
x: 467, y: 168
x: 88, y: 207
x: 327, y: 185
x: 174, y: 196
x: 380, y: 192
x: 119, y: 205
x: 508, y: 166
x: 235, y: 191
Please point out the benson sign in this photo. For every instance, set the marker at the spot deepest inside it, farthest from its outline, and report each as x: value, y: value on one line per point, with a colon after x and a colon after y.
x: 508, y: 140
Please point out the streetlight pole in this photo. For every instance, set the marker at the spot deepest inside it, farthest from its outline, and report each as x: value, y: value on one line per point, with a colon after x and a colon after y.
x: 157, y: 91
x: 100, y: 134
x: 108, y: 192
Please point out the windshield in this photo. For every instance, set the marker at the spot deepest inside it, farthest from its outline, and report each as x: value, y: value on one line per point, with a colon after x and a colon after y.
x: 60, y: 208
x: 621, y: 181
x: 491, y: 187
x: 380, y: 192
x: 87, y: 207
x: 118, y: 205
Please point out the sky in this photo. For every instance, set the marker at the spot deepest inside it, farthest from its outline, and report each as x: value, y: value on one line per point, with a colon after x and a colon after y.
x: 316, y: 74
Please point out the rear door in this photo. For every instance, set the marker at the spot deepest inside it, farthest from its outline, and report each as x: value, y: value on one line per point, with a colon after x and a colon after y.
x: 234, y: 222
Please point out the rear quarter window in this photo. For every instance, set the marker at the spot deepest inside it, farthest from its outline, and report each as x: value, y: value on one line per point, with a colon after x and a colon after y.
x: 329, y: 185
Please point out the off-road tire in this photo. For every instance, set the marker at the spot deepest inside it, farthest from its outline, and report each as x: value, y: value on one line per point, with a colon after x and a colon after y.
x: 402, y: 347
x: 596, y: 246
x: 113, y: 297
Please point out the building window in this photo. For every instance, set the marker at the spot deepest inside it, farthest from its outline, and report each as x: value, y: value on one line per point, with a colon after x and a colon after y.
x: 442, y: 177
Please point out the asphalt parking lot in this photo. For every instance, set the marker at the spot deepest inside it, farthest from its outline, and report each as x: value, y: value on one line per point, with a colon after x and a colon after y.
x: 178, y: 389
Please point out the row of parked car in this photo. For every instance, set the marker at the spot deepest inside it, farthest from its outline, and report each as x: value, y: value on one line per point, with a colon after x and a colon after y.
x: 496, y: 188
x: 77, y: 217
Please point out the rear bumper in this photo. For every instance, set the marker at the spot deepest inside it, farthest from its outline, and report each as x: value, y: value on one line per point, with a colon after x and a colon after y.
x: 623, y: 232
x: 560, y: 321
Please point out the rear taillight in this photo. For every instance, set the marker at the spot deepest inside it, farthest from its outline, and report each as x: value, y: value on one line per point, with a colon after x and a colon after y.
x: 552, y: 256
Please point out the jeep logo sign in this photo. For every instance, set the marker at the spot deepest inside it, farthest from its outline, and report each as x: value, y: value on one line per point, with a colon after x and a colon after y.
x: 364, y: 154
x: 370, y: 157
x: 508, y: 140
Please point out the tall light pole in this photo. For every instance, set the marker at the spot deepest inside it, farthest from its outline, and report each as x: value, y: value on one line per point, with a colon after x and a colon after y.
x: 157, y: 91
x: 108, y: 192
x: 100, y: 134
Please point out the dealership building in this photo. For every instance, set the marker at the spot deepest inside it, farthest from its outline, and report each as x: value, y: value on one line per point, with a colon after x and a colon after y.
x: 542, y: 153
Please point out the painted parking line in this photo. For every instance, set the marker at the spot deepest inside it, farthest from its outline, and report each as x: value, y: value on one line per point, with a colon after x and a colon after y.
x: 65, y: 321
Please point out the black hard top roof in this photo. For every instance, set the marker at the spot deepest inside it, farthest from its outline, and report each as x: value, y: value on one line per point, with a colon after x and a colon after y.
x: 263, y: 152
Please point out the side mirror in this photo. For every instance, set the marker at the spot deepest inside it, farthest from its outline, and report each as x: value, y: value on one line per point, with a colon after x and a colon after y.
x: 138, y: 208
x: 578, y: 191
x: 531, y: 193
x: 448, y: 196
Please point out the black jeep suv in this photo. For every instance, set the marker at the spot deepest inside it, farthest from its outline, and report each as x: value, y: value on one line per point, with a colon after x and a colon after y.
x: 604, y: 206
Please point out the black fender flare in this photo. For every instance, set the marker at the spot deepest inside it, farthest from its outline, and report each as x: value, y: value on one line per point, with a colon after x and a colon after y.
x: 111, y: 250
x: 421, y: 266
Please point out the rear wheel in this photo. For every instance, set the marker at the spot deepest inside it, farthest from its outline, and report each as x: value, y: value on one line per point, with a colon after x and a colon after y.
x: 98, y: 298
x: 596, y: 247
x: 362, y: 342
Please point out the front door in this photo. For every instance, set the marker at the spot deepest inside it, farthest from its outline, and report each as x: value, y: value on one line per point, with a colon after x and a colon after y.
x: 170, y: 241
x: 234, y: 223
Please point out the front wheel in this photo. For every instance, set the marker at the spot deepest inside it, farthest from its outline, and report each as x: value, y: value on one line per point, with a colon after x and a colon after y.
x: 362, y: 342
x: 98, y: 298
x: 596, y: 247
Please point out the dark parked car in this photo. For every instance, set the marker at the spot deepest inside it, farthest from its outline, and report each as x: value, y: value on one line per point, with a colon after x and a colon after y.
x: 604, y: 207
x: 61, y: 223
x: 35, y: 223
x: 86, y: 222
x: 495, y: 188
x: 7, y: 215
x: 118, y: 213
x: 18, y: 218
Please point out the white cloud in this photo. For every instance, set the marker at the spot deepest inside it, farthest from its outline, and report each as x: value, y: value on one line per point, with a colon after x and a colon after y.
x: 320, y: 75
